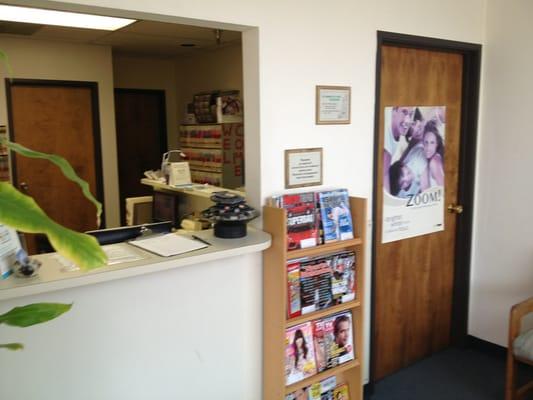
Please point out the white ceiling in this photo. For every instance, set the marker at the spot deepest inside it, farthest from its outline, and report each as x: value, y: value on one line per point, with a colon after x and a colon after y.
x: 140, y: 38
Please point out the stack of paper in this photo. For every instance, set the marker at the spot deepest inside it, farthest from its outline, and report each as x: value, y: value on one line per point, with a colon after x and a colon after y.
x: 168, y: 245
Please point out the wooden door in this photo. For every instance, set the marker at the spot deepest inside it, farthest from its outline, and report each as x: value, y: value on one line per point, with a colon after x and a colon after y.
x: 141, y: 138
x: 414, y: 278
x: 59, y: 118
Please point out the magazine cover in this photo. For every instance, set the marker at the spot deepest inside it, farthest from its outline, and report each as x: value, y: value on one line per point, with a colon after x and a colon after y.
x: 341, y: 392
x: 300, y: 394
x: 299, y: 353
x: 302, y: 229
x: 320, y: 345
x: 294, y: 305
x: 315, y: 284
x: 335, y: 215
x: 338, y: 339
x: 322, y: 390
x: 343, y: 277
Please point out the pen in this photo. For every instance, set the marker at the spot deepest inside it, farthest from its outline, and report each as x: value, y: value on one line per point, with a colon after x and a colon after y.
x: 201, y: 240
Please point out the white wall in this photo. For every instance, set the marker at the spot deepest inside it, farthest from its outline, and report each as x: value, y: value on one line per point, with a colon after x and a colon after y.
x: 305, y: 43
x: 502, y: 273
x: 188, y: 333
x: 35, y: 59
x: 150, y: 73
x: 219, y: 68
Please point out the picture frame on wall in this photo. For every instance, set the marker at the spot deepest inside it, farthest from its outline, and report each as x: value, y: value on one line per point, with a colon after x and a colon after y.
x: 303, y: 167
x: 333, y: 105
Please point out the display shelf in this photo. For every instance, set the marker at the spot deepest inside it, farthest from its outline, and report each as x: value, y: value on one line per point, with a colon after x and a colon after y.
x: 323, y: 248
x: 322, y: 375
x: 215, y: 153
x: 350, y: 305
x: 275, y: 304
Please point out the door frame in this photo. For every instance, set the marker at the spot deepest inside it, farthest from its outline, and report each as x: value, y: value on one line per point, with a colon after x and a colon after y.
x: 467, y: 161
x: 93, y: 87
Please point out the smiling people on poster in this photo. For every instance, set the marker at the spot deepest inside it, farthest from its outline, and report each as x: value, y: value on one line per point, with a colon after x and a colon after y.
x: 413, y: 184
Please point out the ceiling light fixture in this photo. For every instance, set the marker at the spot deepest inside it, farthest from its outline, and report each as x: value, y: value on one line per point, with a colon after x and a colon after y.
x: 61, y: 18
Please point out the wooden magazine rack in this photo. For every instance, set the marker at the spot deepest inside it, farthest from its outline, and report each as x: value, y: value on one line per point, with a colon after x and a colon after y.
x: 275, y: 320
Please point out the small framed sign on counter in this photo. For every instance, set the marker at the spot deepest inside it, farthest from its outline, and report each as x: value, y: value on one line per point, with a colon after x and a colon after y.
x: 303, y: 167
x: 332, y: 105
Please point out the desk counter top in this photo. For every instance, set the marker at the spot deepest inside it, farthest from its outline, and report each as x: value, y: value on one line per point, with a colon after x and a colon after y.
x: 56, y: 274
x: 195, y: 189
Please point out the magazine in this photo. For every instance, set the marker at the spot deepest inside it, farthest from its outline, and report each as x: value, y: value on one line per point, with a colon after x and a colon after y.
x: 341, y: 392
x: 322, y: 390
x: 338, y: 339
x: 343, y: 277
x: 294, y: 305
x: 315, y: 284
x: 335, y: 215
x: 299, y: 353
x: 302, y: 229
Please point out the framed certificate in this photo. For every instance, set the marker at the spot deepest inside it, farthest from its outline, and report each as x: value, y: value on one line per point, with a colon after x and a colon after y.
x: 332, y: 105
x: 303, y: 167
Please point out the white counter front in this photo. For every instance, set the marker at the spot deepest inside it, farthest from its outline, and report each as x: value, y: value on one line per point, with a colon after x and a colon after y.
x: 184, y: 327
x: 55, y: 274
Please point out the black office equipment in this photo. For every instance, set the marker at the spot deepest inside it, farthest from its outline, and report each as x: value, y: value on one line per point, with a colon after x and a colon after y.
x: 125, y: 233
x: 165, y: 208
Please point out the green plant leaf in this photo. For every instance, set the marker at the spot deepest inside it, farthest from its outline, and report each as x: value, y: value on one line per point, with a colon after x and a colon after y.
x: 5, y: 60
x: 65, y: 167
x: 12, y: 346
x: 33, y: 314
x: 22, y: 212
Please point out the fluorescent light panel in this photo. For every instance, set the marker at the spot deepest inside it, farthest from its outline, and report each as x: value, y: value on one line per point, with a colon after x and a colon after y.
x: 61, y: 18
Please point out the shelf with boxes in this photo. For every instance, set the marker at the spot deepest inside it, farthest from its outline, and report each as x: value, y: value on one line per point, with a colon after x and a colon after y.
x: 317, y: 324
x: 215, y: 153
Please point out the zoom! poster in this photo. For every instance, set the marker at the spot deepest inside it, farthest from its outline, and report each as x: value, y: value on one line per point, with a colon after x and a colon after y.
x: 413, y: 171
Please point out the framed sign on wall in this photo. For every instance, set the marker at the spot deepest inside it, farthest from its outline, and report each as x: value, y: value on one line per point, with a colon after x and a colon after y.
x: 303, y: 167
x: 332, y: 105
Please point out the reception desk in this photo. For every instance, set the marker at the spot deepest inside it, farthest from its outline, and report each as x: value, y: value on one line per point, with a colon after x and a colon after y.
x: 188, y: 326
x: 57, y: 273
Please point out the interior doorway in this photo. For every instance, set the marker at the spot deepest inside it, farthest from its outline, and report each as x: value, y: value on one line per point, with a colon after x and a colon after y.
x: 141, y: 139
x: 420, y: 285
x: 58, y: 117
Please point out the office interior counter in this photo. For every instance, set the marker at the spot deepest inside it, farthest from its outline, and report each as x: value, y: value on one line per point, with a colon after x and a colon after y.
x: 56, y: 273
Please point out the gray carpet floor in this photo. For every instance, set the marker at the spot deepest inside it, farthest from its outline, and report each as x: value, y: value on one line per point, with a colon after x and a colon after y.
x: 453, y: 374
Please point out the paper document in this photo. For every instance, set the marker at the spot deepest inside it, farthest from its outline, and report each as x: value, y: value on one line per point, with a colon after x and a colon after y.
x: 168, y: 245
x: 120, y: 253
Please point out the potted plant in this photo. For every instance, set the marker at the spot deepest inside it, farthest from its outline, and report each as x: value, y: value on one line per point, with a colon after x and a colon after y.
x: 22, y: 213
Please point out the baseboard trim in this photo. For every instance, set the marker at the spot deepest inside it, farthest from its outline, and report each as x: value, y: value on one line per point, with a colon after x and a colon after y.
x: 368, y: 390
x: 486, y: 347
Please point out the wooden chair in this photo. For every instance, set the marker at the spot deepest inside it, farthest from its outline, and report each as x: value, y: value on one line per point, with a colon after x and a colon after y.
x: 518, y: 311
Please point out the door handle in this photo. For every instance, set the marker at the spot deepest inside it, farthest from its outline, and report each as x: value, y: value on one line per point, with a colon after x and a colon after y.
x: 455, y: 208
x: 24, y: 187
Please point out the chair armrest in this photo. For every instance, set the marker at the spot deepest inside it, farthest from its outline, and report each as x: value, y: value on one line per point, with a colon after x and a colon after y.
x: 517, y: 312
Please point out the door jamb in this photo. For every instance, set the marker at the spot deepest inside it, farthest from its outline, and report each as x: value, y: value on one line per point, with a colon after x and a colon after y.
x: 467, y: 160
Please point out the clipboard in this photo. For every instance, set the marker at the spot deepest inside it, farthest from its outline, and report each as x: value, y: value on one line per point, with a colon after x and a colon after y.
x: 168, y: 245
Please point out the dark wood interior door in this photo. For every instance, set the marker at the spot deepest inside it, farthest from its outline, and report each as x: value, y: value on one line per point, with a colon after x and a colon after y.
x: 414, y: 277
x: 59, y: 118
x: 141, y: 139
